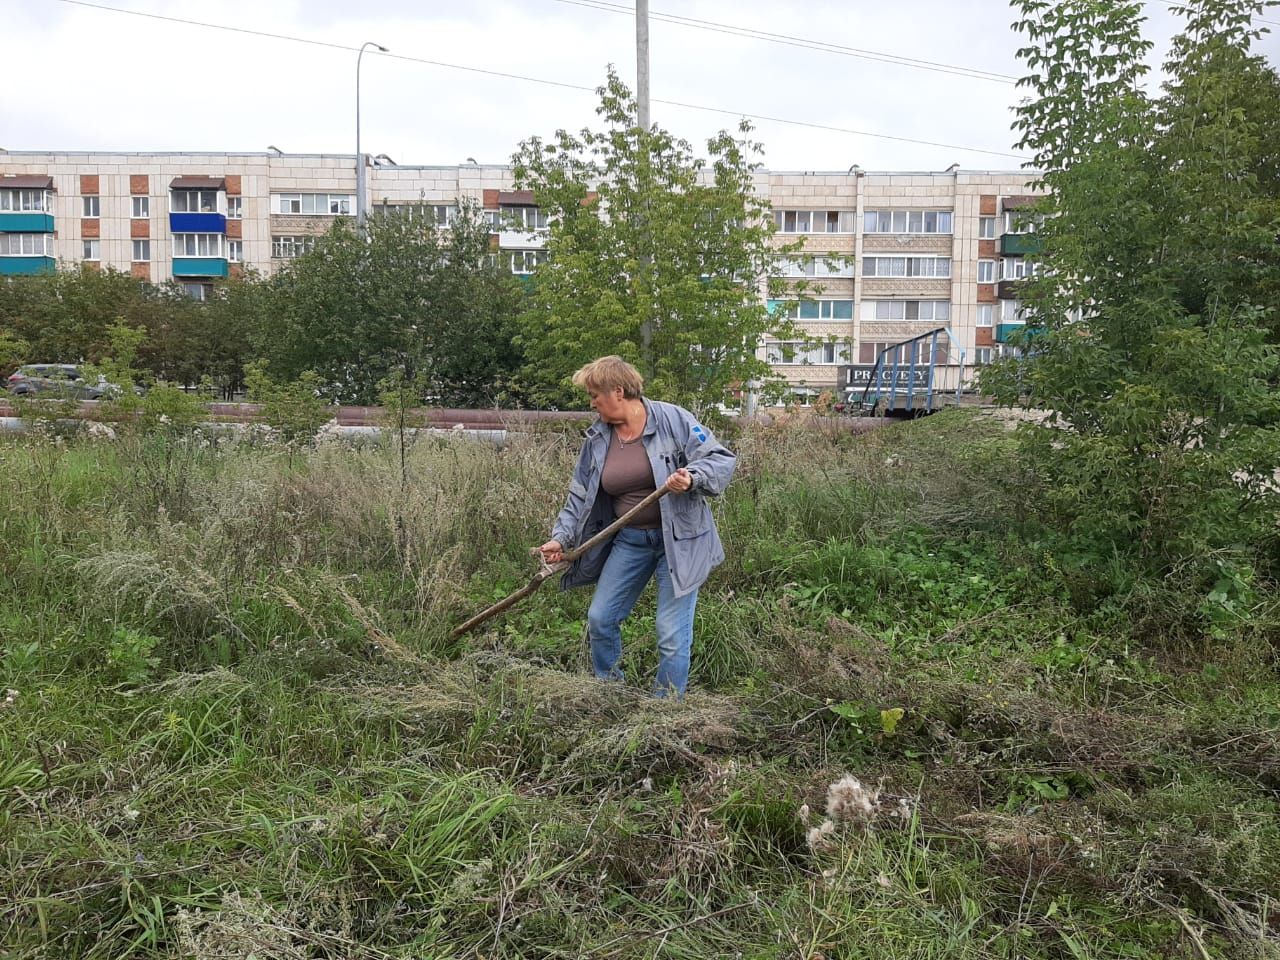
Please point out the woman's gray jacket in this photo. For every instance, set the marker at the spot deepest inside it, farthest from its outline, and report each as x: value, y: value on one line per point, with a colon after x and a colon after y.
x: 672, y: 439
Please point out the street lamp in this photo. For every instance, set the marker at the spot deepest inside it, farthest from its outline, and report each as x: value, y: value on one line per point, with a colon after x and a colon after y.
x: 360, y: 187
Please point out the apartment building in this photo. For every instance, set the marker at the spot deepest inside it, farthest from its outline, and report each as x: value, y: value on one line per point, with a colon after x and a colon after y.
x: 893, y: 255
x: 885, y: 255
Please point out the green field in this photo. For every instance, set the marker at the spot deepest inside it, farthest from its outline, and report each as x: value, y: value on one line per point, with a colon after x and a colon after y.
x: 237, y: 726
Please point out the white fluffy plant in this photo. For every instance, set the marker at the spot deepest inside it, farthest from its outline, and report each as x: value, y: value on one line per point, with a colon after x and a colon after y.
x: 849, y: 802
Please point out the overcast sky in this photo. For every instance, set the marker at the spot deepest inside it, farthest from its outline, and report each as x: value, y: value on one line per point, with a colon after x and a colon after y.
x: 83, y: 78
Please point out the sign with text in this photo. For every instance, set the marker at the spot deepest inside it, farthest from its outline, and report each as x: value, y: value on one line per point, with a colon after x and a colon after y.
x: 857, y: 377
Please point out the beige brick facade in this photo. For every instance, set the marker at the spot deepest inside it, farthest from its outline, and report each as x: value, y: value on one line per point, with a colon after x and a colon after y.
x: 840, y: 200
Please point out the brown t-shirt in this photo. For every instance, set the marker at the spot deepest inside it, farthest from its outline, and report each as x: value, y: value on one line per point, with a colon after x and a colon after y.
x: 628, y: 478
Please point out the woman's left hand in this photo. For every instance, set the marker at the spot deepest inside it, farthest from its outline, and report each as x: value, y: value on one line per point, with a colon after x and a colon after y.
x: 680, y: 481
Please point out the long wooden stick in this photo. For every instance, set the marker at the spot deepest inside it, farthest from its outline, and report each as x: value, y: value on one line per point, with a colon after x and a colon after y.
x: 550, y: 571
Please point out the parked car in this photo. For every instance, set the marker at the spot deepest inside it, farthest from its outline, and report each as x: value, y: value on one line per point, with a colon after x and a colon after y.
x: 65, y: 380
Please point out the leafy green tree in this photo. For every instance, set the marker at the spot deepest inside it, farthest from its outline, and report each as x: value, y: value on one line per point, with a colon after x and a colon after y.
x: 189, y: 341
x: 65, y: 316
x: 14, y: 352
x: 1147, y: 330
x: 406, y: 295
x: 654, y: 254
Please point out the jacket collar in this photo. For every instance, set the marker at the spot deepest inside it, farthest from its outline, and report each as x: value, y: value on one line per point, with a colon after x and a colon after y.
x: 599, y: 428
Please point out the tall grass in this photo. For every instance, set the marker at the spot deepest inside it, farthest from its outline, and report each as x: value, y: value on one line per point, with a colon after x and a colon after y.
x: 239, y: 725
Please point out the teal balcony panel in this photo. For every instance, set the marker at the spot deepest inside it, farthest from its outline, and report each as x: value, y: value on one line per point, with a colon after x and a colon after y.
x: 1020, y: 244
x: 26, y: 266
x: 199, y: 267
x: 1003, y: 331
x: 26, y: 223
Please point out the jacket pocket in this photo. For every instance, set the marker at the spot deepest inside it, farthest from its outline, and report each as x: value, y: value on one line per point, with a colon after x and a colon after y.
x: 693, y: 520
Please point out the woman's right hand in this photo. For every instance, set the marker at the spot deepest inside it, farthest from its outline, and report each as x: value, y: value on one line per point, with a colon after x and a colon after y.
x: 552, y: 552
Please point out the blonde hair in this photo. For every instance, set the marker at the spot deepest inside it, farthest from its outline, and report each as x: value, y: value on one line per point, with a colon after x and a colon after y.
x: 608, y: 374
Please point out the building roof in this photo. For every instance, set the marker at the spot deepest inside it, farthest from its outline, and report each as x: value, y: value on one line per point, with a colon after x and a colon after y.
x: 26, y: 181
x: 516, y: 198
x: 197, y: 183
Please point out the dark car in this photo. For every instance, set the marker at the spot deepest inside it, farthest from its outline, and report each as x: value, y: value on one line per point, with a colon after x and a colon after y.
x: 64, y: 380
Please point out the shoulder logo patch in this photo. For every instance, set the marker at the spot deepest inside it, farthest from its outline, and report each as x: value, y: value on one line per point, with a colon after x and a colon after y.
x: 700, y: 433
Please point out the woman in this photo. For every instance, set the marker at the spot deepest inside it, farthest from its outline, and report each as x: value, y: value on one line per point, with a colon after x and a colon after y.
x: 636, y: 446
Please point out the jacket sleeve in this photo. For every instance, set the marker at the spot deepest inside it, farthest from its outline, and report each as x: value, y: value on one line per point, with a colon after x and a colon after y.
x: 574, y: 512
x: 709, y: 461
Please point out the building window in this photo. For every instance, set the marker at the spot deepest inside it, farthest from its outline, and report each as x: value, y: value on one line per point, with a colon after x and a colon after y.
x: 526, y: 261
x: 26, y: 244
x: 140, y: 208
x: 986, y: 312
x: 91, y: 207
x: 286, y: 248
x: 1019, y: 221
x: 23, y: 201
x: 141, y: 251
x: 906, y: 221
x: 196, y: 291
x: 197, y: 245
x: 869, y: 350
x: 986, y: 228
x: 816, y: 309
x: 313, y: 204
x: 194, y: 201
x: 814, y: 221
x: 1012, y: 311
x: 1017, y: 268
x: 986, y: 271
x: 235, y: 251
x: 785, y: 353
x: 443, y: 213
x: 92, y: 249
x: 522, y: 218
x: 814, y: 267
x: 235, y: 208
x: 906, y: 266
x: 907, y: 354
x: 981, y: 356
x: 936, y: 310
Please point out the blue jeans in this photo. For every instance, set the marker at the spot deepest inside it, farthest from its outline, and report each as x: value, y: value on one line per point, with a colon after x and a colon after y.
x: 636, y: 556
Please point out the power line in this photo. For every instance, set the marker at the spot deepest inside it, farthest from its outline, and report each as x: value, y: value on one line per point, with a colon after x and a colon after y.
x: 1256, y: 19
x: 527, y: 79
x: 803, y: 42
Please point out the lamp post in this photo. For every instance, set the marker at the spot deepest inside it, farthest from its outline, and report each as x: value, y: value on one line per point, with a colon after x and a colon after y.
x: 360, y: 185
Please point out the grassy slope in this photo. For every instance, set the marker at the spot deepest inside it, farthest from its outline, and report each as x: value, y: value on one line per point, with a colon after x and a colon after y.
x: 241, y: 728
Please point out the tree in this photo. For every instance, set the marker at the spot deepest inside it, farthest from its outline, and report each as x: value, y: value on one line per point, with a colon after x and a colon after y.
x: 65, y: 317
x: 1148, y: 326
x: 654, y: 254
x: 406, y: 295
x: 192, y: 341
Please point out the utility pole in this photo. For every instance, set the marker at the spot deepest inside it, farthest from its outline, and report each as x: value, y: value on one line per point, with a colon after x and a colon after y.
x: 642, y: 64
x: 361, y: 188
x: 642, y: 121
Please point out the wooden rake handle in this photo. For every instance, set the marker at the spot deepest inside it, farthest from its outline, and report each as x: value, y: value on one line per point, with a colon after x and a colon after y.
x: 550, y: 571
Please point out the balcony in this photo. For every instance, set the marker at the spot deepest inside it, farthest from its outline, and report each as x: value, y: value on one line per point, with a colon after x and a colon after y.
x: 197, y: 223
x: 1010, y: 289
x: 522, y: 239
x: 199, y: 266
x: 1020, y: 244
x: 26, y: 223
x: 26, y: 266
x: 1004, y: 330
